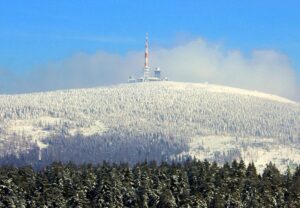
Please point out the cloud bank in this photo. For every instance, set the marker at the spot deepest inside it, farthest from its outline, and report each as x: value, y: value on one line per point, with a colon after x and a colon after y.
x: 195, y: 61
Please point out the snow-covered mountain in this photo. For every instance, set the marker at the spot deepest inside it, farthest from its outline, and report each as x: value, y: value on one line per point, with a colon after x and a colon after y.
x: 157, y: 120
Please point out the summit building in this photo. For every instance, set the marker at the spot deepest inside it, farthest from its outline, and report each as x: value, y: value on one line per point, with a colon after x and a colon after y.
x: 148, y: 75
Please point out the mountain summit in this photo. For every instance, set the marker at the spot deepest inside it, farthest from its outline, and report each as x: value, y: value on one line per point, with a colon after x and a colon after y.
x: 147, y: 121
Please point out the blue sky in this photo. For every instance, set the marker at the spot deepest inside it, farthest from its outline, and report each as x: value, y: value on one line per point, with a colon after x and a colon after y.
x: 34, y: 33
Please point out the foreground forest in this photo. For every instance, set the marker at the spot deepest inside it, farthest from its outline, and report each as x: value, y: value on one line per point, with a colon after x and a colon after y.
x: 189, y: 184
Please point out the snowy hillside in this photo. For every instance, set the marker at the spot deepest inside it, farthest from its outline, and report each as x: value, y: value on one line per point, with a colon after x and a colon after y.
x: 162, y: 120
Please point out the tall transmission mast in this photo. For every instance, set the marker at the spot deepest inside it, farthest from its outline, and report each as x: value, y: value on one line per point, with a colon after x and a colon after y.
x: 146, y: 52
x: 146, y: 65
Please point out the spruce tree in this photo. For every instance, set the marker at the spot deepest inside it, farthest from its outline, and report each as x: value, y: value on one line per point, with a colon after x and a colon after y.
x: 166, y: 199
x: 249, y: 193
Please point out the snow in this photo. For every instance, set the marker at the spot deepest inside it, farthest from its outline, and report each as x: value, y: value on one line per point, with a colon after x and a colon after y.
x: 227, y: 90
x: 43, y: 127
x: 253, y: 149
x: 174, y: 112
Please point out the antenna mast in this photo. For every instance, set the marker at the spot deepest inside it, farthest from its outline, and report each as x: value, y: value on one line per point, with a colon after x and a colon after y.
x: 146, y: 66
x: 146, y: 52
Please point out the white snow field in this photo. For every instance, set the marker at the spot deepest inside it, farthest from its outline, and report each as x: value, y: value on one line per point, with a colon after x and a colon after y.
x: 155, y: 120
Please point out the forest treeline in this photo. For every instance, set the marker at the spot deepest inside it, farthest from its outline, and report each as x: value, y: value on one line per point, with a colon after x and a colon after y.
x: 192, y: 183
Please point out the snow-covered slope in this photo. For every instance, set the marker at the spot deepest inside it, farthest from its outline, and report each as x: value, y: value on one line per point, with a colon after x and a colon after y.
x: 161, y: 120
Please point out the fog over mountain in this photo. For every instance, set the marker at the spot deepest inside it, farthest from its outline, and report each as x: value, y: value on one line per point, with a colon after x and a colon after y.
x: 196, y: 60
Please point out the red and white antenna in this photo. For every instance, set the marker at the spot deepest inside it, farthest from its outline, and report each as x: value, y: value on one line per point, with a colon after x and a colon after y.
x: 146, y: 66
x: 146, y: 52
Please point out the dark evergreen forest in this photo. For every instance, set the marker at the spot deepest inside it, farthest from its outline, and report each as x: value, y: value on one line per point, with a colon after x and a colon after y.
x: 189, y: 184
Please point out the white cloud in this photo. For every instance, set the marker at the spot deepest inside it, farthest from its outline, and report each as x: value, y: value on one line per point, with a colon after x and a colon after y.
x: 194, y: 61
x: 197, y: 61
